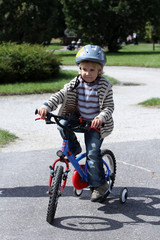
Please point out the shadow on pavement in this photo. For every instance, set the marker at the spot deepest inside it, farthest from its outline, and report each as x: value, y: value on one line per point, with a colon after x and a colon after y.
x: 135, y: 211
x: 31, y: 191
x: 87, y: 223
x: 142, y: 206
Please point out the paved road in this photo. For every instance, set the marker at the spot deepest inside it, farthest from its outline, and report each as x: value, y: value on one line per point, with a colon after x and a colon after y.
x: 24, y: 171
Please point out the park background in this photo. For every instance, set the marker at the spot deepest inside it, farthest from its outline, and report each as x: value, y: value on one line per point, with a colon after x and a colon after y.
x: 34, y: 36
x: 34, y: 62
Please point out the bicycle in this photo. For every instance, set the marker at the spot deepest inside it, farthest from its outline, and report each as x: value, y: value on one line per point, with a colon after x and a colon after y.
x: 58, y: 176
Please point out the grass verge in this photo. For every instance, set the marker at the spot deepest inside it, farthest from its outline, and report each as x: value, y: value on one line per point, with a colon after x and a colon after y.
x: 6, y: 137
x: 153, y: 102
x: 47, y: 86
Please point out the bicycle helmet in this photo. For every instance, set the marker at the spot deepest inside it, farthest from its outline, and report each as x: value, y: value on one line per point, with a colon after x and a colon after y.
x: 92, y: 53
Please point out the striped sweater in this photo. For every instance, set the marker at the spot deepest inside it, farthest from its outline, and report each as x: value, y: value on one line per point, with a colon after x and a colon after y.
x: 88, y: 102
x: 67, y: 97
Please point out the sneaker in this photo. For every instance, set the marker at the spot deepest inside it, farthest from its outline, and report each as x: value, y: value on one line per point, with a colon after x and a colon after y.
x: 99, y: 192
x: 78, y: 150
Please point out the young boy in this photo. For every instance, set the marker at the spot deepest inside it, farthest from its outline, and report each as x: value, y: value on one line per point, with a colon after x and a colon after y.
x: 90, y: 96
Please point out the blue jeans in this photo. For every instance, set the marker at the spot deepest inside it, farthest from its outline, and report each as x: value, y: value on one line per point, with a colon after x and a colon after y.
x: 93, y: 142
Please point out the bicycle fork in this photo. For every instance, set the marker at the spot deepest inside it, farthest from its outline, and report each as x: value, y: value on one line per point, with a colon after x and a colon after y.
x: 65, y: 174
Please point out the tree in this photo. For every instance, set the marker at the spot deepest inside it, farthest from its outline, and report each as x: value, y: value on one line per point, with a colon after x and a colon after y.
x: 107, y: 22
x: 31, y: 21
x: 154, y: 21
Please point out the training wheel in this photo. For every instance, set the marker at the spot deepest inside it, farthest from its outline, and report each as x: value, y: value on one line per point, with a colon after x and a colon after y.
x: 77, y: 192
x: 123, y: 195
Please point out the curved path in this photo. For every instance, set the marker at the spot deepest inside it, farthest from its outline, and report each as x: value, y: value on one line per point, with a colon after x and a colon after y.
x: 132, y: 122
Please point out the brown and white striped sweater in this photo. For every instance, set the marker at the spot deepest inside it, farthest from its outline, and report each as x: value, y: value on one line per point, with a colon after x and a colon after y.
x: 67, y: 97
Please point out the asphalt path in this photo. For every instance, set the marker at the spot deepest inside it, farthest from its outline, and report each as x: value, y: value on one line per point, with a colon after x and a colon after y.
x: 24, y: 171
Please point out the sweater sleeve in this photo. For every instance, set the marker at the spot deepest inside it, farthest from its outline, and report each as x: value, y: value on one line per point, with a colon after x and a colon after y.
x: 55, y: 100
x: 107, y: 108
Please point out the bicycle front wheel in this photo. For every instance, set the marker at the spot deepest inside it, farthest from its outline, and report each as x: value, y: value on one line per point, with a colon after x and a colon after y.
x: 109, y: 158
x: 55, y: 193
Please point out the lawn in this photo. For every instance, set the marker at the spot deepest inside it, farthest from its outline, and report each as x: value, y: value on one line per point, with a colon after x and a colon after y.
x: 130, y: 55
x: 49, y: 85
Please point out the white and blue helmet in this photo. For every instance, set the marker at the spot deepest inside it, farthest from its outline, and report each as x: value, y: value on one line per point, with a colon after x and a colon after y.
x: 92, y: 53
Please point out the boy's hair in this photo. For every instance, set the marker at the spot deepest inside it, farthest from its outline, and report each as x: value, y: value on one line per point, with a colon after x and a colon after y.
x: 95, y: 64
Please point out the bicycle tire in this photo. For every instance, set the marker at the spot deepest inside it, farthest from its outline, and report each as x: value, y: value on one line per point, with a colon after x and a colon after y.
x: 110, y: 159
x: 55, y: 193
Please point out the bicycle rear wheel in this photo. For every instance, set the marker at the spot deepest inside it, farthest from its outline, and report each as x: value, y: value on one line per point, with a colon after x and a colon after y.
x: 110, y: 160
x: 55, y: 193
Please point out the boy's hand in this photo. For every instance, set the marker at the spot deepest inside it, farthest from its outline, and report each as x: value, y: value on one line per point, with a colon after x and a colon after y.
x: 42, y: 112
x: 96, y: 123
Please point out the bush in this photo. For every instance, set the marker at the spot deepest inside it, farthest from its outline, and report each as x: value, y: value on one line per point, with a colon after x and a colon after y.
x: 26, y: 63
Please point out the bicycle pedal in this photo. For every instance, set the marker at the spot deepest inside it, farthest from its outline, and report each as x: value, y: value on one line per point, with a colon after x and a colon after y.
x: 103, y: 198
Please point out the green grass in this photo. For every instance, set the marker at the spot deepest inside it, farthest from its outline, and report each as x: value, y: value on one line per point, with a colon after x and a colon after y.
x: 38, y: 87
x: 143, y: 48
x: 53, y: 46
x: 66, y: 57
x: 6, y: 137
x: 141, y: 55
x: 48, y: 86
x: 153, y: 102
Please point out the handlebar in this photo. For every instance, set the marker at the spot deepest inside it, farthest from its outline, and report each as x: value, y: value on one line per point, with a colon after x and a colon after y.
x: 73, y: 124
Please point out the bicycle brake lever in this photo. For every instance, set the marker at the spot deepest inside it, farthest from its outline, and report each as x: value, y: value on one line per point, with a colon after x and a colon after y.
x: 37, y: 119
x: 41, y: 119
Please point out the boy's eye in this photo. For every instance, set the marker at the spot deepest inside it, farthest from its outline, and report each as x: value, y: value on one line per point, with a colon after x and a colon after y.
x: 91, y: 70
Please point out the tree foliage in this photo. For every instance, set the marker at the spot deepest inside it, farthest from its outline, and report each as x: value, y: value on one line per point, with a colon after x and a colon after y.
x: 31, y: 21
x: 109, y: 22
x: 102, y: 22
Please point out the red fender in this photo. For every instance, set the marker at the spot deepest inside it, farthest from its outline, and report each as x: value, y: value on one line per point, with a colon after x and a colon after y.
x: 77, y: 182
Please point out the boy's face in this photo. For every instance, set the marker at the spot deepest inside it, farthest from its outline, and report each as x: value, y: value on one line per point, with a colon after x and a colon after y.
x: 89, y: 72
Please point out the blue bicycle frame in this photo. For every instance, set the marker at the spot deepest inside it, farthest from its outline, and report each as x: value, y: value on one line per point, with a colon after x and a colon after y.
x: 74, y: 161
